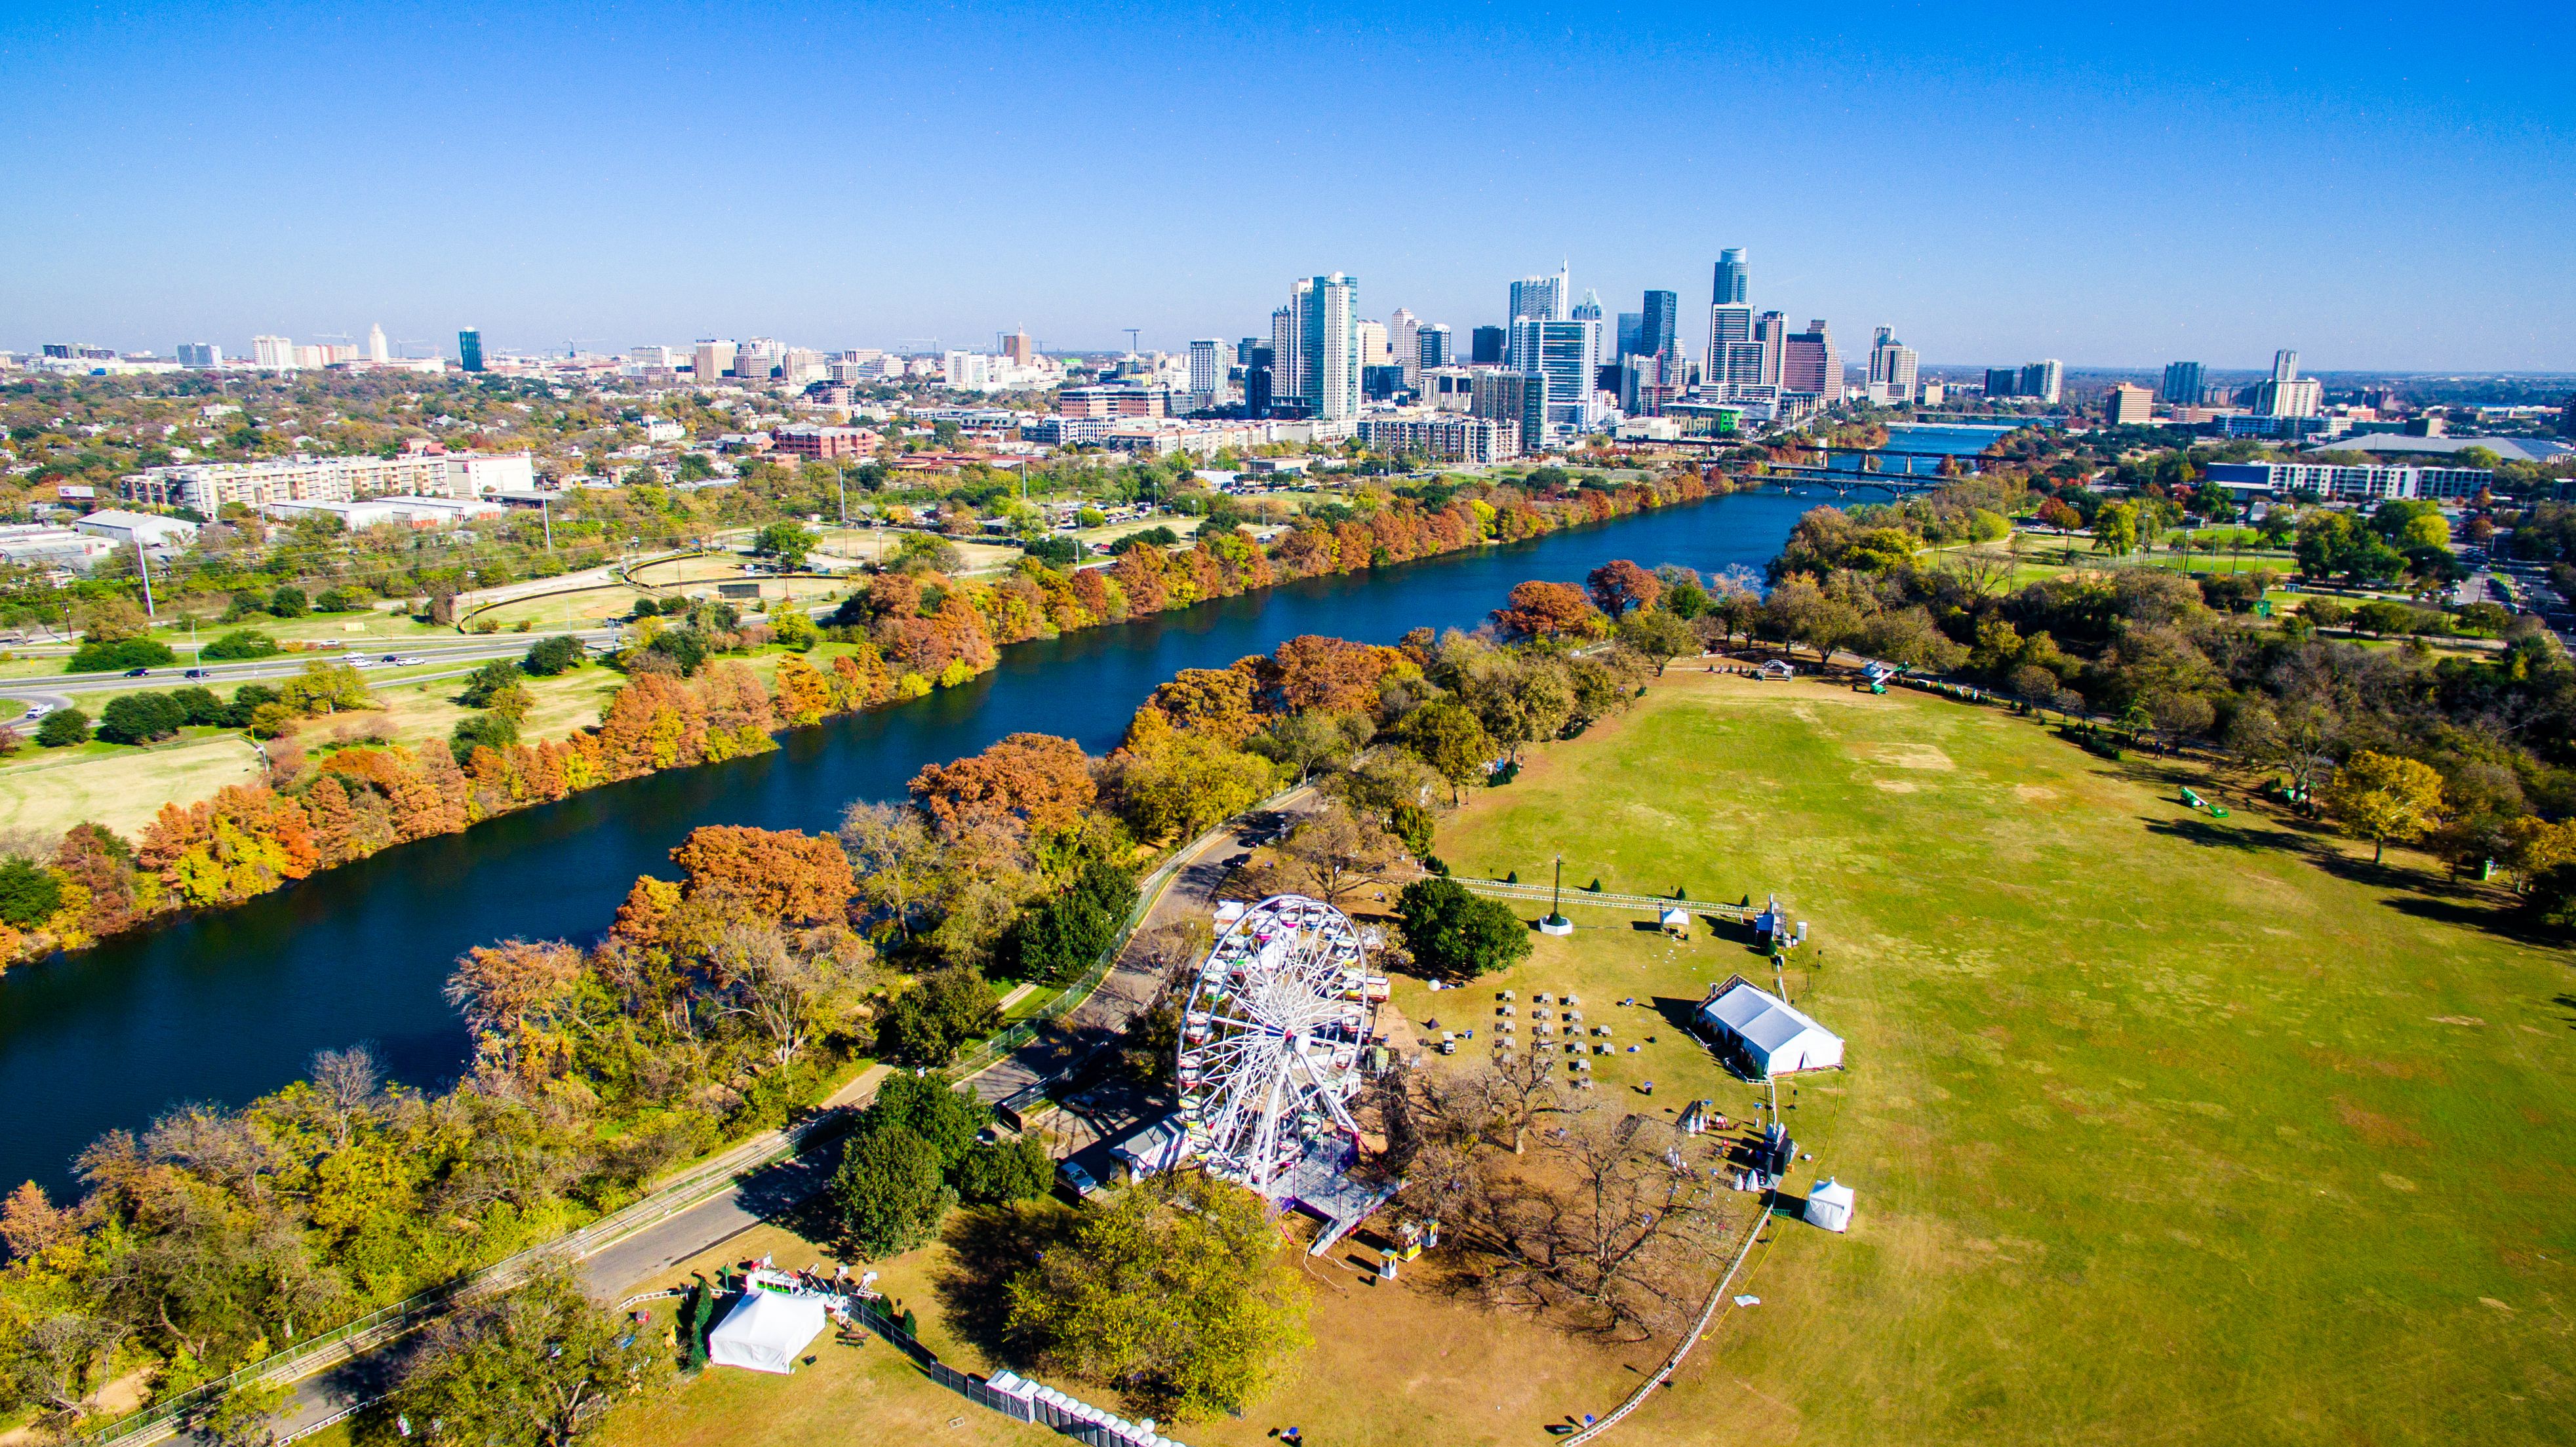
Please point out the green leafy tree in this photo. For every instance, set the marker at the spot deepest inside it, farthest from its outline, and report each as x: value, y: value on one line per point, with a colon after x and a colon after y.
x: 549, y: 656
x: 63, y: 727
x: 1456, y: 935
x: 926, y: 1024
x: 787, y: 541
x: 490, y: 730
x: 1660, y: 635
x: 241, y: 643
x: 997, y: 1172
x: 889, y: 1192
x: 2381, y: 798
x: 944, y: 1119
x: 1174, y: 1293
x: 29, y: 892
x: 794, y: 628
x: 241, y: 1416
x: 2115, y: 529
x: 1447, y: 737
x: 533, y: 1366
x: 486, y: 682
x: 139, y: 718
x: 287, y: 601
x: 118, y: 655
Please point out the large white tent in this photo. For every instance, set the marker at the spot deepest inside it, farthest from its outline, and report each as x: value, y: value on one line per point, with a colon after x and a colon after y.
x: 765, y: 1331
x: 1773, y: 1036
x: 1830, y: 1205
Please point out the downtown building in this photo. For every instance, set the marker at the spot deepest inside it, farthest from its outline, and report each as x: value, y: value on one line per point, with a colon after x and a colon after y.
x: 1315, y: 347
x: 2336, y: 483
x: 1892, y: 369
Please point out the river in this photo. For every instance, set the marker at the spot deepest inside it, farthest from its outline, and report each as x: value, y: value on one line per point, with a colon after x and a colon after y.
x: 227, y: 1005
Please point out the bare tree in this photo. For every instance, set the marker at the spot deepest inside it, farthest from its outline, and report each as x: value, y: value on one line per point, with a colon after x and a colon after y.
x: 790, y: 988
x: 897, y: 859
x: 344, y: 1085
x: 1337, y: 853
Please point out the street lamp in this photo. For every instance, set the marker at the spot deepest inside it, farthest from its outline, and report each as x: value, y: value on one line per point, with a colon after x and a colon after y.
x: 1556, y: 923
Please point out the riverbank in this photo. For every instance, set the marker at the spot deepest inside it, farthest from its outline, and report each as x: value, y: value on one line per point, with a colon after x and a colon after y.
x: 228, y: 1004
x: 253, y: 838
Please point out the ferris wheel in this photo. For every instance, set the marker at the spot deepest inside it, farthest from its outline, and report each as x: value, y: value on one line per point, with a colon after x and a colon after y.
x: 1271, y: 1037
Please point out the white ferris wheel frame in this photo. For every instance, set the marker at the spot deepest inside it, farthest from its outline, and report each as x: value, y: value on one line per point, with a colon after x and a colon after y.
x: 1271, y: 1037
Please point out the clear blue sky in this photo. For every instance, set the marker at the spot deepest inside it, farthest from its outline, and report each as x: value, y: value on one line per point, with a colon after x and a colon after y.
x: 2381, y: 186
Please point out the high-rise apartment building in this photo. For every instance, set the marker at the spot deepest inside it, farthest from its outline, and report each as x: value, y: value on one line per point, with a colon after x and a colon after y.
x: 1734, y: 284
x: 1485, y: 347
x: 1288, y: 347
x: 2043, y: 380
x: 1567, y: 355
x: 1659, y: 325
x: 1374, y: 350
x: 200, y: 354
x: 1808, y: 364
x: 469, y: 349
x: 1211, y: 359
x: 1632, y: 331
x: 2183, y: 384
x: 1541, y: 298
x: 2285, y: 393
x: 1733, y: 355
x: 1512, y: 397
x: 272, y: 354
x: 1331, y: 334
x: 1892, y: 368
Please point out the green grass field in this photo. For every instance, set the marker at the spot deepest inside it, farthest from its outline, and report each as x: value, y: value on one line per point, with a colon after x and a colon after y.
x: 2165, y: 1129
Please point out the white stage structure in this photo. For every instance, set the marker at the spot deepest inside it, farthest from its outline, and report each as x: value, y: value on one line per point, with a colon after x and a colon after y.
x: 1271, y: 1039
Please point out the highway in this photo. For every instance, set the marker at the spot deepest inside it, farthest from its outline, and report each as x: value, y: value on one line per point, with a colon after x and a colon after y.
x: 464, y: 654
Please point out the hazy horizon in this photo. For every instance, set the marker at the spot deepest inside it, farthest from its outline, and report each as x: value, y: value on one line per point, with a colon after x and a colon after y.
x: 2191, y: 184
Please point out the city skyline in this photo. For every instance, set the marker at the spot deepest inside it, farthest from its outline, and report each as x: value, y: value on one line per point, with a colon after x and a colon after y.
x: 2122, y: 205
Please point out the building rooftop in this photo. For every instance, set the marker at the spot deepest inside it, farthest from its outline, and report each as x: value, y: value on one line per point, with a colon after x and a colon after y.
x: 2511, y: 449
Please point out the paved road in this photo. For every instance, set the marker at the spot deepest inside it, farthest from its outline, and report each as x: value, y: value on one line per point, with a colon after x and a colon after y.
x: 616, y: 1270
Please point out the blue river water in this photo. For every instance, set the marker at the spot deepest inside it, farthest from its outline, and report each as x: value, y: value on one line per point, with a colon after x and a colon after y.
x: 1947, y: 440
x: 227, y: 1005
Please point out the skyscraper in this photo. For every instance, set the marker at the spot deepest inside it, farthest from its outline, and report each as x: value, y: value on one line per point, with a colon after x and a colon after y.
x: 2285, y: 365
x: 2002, y: 382
x: 1892, y: 367
x: 469, y: 349
x: 1771, y: 331
x: 1808, y: 363
x: 2286, y: 393
x: 1566, y: 356
x: 1734, y: 285
x: 1485, y: 346
x: 1331, y: 334
x: 1020, y: 347
x: 1431, y: 348
x: 1632, y: 331
x: 713, y: 358
x: 1659, y: 324
x: 1400, y: 329
x: 2182, y: 384
x: 377, y: 350
x: 1534, y: 298
x: 2043, y: 380
x: 1288, y: 346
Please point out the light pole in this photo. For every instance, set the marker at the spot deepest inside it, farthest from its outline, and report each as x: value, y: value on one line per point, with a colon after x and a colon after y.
x: 1556, y: 923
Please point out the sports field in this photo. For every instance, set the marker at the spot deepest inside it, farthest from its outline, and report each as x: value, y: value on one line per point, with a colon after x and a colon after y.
x: 2165, y: 1128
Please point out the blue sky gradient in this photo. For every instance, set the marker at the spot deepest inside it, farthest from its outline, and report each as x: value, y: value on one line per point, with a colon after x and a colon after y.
x: 2379, y: 186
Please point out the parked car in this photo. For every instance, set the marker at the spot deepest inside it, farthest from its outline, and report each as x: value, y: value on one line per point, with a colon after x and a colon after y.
x: 1077, y: 1180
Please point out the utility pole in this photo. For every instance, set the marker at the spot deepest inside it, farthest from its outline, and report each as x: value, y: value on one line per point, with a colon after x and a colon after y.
x: 143, y: 564
x: 546, y: 512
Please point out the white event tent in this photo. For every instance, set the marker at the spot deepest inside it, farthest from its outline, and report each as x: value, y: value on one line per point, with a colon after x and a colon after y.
x: 765, y: 1331
x: 1772, y: 1036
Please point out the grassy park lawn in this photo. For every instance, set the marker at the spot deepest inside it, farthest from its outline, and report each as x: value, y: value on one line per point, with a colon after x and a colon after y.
x: 121, y: 787
x: 2164, y: 1127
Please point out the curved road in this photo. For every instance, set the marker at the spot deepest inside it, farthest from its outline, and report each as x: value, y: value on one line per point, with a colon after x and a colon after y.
x: 617, y: 1268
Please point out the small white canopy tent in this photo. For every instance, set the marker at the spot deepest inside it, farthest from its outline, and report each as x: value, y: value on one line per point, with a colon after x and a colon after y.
x: 766, y: 1330
x: 1830, y: 1205
x: 1774, y: 1037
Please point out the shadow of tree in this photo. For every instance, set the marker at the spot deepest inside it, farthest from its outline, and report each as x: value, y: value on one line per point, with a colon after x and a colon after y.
x: 987, y: 1246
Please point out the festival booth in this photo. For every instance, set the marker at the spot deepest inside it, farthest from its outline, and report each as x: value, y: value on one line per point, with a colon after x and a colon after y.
x: 767, y: 1329
x: 1829, y: 1205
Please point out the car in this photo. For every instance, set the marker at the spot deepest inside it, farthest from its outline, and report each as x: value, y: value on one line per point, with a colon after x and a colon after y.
x: 409, y: 660
x: 138, y: 673
x: 390, y: 658
x: 39, y: 710
x: 362, y: 663
x: 198, y: 673
x: 1077, y: 1180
